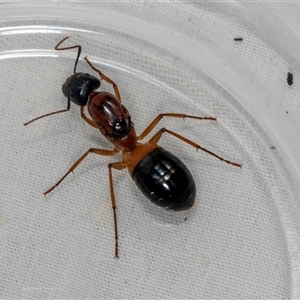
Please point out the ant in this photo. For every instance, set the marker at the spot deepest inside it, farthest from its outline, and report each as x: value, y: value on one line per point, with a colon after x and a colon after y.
x: 160, y: 175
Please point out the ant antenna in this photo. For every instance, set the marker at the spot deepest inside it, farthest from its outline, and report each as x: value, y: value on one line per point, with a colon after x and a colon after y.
x: 75, y: 66
x: 67, y: 48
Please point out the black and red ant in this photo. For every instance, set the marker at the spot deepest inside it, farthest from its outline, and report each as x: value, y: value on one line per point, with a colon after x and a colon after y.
x: 160, y: 175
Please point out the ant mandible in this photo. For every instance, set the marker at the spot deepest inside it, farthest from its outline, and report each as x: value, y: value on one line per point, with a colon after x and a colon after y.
x: 160, y: 175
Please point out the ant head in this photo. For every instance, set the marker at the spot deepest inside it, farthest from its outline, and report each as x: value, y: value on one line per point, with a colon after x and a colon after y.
x: 79, y: 86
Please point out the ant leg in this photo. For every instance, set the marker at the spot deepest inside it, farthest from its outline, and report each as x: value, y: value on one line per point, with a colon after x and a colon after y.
x: 52, y: 113
x: 118, y: 166
x: 88, y: 120
x: 154, y: 140
x: 160, y: 116
x: 105, y: 78
x: 75, y: 165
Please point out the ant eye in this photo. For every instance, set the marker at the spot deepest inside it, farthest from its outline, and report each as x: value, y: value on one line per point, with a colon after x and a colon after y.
x: 121, y: 128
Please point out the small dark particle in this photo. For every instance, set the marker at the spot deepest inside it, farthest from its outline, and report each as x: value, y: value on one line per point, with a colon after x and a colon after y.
x: 287, y: 112
x: 290, y: 78
x: 272, y: 148
x: 238, y: 39
x: 185, y: 218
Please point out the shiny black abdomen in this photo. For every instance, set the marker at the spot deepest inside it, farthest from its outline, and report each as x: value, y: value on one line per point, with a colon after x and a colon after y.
x: 165, y: 180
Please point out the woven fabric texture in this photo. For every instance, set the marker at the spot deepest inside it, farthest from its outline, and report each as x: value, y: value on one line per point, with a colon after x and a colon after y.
x: 240, y: 240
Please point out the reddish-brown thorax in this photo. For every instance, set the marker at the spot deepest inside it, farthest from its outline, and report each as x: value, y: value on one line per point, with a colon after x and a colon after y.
x: 113, y: 120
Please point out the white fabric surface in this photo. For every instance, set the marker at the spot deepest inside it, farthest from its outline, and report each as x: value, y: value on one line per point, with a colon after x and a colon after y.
x: 241, y: 240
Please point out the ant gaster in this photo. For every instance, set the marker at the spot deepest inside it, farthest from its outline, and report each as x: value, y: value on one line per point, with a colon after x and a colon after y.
x: 160, y: 175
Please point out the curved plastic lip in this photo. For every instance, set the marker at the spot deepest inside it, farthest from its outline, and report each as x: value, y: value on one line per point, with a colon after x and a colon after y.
x: 231, y: 82
x: 241, y: 91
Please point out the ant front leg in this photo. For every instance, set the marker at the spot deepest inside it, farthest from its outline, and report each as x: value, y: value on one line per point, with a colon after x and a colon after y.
x: 88, y: 120
x: 154, y: 140
x: 105, y: 78
x: 78, y: 161
x: 172, y: 115
x: 118, y: 166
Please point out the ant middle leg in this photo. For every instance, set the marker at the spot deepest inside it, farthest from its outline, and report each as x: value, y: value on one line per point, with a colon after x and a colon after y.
x: 78, y: 161
x: 105, y: 78
x: 154, y: 140
x: 151, y: 126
